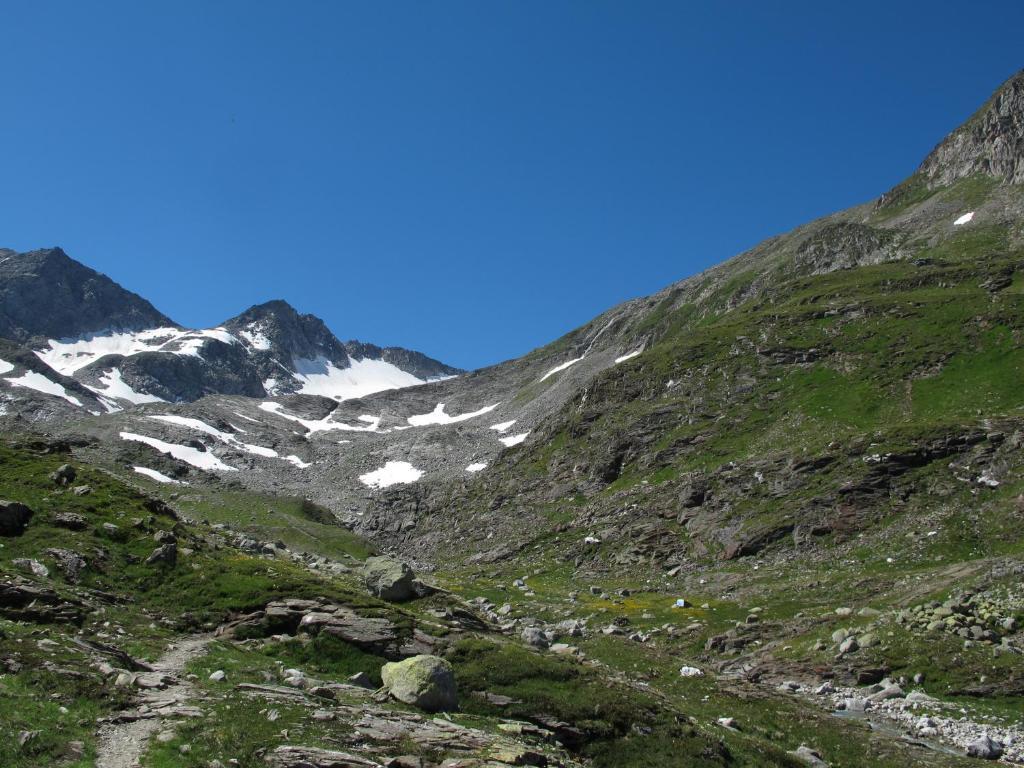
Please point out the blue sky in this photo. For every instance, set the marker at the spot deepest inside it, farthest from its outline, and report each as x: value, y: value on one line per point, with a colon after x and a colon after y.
x: 470, y: 179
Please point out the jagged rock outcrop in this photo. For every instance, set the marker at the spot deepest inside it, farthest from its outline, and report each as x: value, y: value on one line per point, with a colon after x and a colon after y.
x: 843, y: 245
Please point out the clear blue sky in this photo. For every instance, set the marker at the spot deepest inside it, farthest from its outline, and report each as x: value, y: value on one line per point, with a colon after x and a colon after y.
x: 471, y: 179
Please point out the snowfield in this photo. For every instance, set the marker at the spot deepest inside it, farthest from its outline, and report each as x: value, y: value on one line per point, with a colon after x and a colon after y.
x: 6, y: 367
x: 361, y: 378
x: 392, y: 473
x: 964, y: 219
x: 69, y: 355
x: 476, y: 467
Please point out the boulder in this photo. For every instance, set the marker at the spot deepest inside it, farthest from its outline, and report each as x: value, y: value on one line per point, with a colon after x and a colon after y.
x: 165, y: 553
x: 64, y: 475
x: 14, y: 518
x: 426, y: 682
x: 389, y: 579
x: 535, y: 637
x: 808, y: 756
x: 70, y: 520
x: 986, y: 748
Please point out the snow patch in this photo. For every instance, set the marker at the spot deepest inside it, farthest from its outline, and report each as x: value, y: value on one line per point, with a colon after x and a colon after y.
x: 508, y: 442
x: 438, y: 416
x: 561, y: 367
x: 38, y: 382
x: 628, y: 356
x: 255, y: 338
x: 224, y: 437
x: 188, y: 454
x: 160, y: 477
x: 115, y: 386
x: 326, y: 424
x: 964, y: 219
x: 6, y: 367
x: 477, y: 467
x: 503, y: 426
x: 392, y: 473
x: 292, y: 458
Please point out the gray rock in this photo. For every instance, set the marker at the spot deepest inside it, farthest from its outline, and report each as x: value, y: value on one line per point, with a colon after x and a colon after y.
x: 362, y: 680
x: 888, y: 692
x: 70, y: 520
x: 389, y: 579
x: 14, y: 517
x: 535, y: 637
x: 32, y: 566
x: 986, y: 748
x: 809, y: 756
x: 426, y: 682
x: 166, y: 554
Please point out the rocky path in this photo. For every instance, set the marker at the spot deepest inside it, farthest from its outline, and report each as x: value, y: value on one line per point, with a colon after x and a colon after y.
x: 165, y: 693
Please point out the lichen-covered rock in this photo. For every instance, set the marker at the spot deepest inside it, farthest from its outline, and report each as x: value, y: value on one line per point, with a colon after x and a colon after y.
x: 389, y: 579
x: 426, y: 682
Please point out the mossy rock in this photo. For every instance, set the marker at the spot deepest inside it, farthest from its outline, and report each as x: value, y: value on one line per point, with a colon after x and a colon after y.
x: 426, y: 682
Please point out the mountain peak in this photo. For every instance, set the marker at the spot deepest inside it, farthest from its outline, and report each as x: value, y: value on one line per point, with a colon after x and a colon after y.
x: 47, y: 293
x: 990, y: 143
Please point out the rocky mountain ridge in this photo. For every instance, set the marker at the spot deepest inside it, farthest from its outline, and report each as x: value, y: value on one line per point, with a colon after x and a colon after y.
x: 84, y: 326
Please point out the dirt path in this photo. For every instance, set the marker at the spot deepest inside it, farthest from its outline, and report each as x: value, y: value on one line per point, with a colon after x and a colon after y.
x: 123, y: 740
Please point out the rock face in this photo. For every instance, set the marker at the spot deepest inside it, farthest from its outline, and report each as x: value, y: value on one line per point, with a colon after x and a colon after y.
x: 389, y: 579
x: 47, y: 294
x: 844, y: 245
x: 426, y: 682
x: 14, y: 518
x: 990, y: 143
